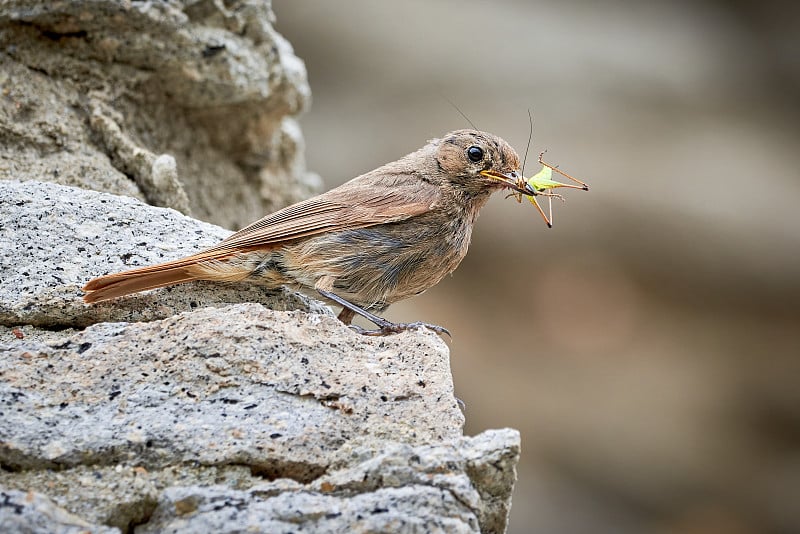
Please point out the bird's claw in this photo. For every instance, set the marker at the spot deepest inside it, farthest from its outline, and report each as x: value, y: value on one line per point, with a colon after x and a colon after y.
x: 396, y: 328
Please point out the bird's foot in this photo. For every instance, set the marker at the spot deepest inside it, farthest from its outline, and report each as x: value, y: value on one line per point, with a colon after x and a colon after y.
x: 386, y: 328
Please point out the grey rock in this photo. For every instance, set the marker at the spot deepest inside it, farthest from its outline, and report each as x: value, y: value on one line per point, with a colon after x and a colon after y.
x: 121, y: 496
x: 156, y: 176
x: 400, y: 488
x: 491, y: 464
x: 421, y: 509
x: 53, y: 239
x: 34, y: 513
x: 96, y: 92
x: 31, y: 333
x: 175, y: 425
x: 267, y: 388
x: 479, y: 472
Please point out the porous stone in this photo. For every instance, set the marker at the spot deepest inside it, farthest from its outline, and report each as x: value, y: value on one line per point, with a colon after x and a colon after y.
x: 34, y: 513
x: 121, y: 496
x: 176, y: 424
x: 414, y: 508
x: 235, y: 385
x: 396, y: 487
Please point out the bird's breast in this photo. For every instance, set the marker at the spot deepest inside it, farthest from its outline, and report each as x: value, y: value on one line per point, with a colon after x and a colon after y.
x: 381, y: 264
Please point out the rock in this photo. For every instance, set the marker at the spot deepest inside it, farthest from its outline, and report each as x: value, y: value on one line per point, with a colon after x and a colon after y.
x: 399, y: 488
x: 53, y: 239
x: 233, y: 413
x: 34, y: 513
x: 412, y: 508
x: 266, y: 388
x: 190, y: 105
x: 356, y: 424
x: 122, y: 496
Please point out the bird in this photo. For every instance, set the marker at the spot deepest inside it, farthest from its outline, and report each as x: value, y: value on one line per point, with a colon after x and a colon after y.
x: 384, y: 236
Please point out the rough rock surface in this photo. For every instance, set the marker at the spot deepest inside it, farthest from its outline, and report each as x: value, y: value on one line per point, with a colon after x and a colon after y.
x: 32, y: 512
x: 187, y: 104
x: 226, y: 419
x: 117, y: 391
x: 239, y: 396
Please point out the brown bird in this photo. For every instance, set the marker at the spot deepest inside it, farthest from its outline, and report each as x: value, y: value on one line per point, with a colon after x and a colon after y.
x: 382, y: 237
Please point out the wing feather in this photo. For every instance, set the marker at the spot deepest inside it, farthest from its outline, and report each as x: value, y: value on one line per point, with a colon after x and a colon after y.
x: 375, y: 198
x: 333, y: 211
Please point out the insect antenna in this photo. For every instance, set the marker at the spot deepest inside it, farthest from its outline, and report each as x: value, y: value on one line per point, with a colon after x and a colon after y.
x: 460, y: 112
x: 528, y: 146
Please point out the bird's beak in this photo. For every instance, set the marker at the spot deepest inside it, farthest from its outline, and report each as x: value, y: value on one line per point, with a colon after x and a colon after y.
x: 513, y: 180
x: 516, y: 183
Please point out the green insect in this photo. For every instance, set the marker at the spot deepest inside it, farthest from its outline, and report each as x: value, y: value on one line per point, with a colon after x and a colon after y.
x: 541, y: 184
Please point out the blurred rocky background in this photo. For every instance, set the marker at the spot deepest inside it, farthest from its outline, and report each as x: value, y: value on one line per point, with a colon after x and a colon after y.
x: 647, y: 346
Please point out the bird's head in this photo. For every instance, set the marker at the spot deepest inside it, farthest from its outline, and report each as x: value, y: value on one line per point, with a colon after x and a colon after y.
x: 478, y: 163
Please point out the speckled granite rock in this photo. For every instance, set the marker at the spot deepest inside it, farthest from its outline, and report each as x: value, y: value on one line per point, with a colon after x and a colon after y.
x: 384, y: 487
x: 266, y: 388
x: 356, y: 424
x: 34, y: 513
x: 186, y: 104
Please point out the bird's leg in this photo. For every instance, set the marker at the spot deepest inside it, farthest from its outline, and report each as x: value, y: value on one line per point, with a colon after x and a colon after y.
x: 346, y: 316
x: 349, y: 310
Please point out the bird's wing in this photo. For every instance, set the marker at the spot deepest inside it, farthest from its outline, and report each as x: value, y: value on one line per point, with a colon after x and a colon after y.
x: 376, y: 198
x: 356, y: 204
x: 346, y: 207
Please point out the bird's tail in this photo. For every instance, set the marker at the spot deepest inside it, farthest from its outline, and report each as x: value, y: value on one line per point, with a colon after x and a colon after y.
x: 198, y: 267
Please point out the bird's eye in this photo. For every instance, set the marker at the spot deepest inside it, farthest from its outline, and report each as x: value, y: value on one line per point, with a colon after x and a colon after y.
x: 475, y: 153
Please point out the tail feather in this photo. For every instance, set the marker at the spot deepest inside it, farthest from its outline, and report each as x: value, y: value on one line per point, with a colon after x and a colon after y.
x: 198, y: 267
x: 113, y: 286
